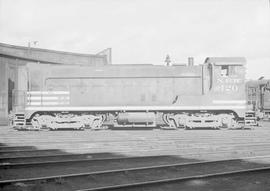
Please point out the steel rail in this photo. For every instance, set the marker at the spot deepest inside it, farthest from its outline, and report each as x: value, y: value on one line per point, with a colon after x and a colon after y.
x: 9, y: 148
x: 46, y: 156
x: 27, y: 150
x: 10, y: 165
x: 95, y: 158
x: 182, y: 179
x: 125, y: 170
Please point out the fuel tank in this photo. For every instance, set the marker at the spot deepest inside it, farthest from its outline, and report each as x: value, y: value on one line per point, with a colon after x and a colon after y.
x: 136, y: 117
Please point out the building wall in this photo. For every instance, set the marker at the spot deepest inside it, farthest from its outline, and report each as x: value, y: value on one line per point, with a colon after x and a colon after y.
x: 8, y: 78
x: 3, y: 93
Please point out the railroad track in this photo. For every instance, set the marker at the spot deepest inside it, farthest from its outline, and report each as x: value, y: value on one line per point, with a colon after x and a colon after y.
x: 64, y: 166
x: 53, y: 157
x: 30, y: 154
x: 44, y: 151
x: 37, y: 156
x: 157, y: 184
x: 104, y: 164
x: 135, y: 177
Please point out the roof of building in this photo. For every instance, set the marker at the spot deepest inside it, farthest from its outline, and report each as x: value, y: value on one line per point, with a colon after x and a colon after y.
x: 50, y: 56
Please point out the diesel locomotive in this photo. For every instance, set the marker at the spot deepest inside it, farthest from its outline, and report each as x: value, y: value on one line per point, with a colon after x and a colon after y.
x: 211, y: 94
x: 258, y: 97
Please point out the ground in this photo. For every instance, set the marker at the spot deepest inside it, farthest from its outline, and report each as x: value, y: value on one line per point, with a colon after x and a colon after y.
x: 197, y: 144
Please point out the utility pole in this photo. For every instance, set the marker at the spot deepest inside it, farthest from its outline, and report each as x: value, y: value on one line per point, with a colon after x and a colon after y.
x: 29, y: 46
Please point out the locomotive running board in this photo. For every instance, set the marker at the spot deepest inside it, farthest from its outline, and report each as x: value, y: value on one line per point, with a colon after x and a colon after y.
x: 133, y: 108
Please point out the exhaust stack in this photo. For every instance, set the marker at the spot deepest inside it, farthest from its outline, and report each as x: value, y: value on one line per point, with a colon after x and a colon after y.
x: 190, y: 61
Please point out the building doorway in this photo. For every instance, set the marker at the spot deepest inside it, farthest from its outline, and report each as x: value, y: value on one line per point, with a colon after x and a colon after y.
x: 11, y: 86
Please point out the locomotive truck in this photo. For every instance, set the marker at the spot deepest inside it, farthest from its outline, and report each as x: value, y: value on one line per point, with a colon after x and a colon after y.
x: 211, y: 94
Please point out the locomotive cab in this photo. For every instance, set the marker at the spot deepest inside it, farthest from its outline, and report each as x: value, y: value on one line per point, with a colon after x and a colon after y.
x: 222, y: 102
x: 226, y: 83
x: 226, y: 77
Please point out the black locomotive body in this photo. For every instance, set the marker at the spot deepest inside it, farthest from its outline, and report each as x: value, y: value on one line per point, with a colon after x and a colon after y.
x: 62, y: 96
x: 258, y: 97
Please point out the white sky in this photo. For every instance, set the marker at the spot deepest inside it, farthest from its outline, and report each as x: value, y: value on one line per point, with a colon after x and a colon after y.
x: 145, y: 31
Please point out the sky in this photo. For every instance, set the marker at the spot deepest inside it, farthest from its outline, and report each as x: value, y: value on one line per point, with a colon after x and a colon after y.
x: 144, y: 31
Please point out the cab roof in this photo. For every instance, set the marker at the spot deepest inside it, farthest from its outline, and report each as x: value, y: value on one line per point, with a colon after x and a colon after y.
x: 226, y: 60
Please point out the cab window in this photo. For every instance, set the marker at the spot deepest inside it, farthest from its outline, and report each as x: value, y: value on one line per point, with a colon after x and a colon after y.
x: 233, y: 70
x: 224, y: 70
